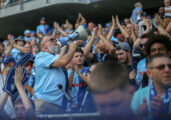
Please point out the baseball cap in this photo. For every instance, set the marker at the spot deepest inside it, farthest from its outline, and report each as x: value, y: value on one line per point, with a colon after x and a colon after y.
x: 42, y: 18
x: 124, y: 46
x: 19, y: 38
x: 9, y: 59
x: 27, y: 32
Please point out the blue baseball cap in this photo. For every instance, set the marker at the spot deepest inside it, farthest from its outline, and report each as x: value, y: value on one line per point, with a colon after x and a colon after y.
x: 42, y: 18
x: 27, y: 32
x: 9, y: 59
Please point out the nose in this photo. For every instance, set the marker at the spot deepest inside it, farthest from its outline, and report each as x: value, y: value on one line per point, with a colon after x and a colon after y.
x: 167, y: 68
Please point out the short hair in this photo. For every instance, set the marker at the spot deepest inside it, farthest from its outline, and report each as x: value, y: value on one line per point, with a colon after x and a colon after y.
x: 19, y: 101
x: 108, y: 76
x: 150, y: 60
x: 147, y: 35
x: 78, y: 49
x: 163, y: 39
x: 137, y: 4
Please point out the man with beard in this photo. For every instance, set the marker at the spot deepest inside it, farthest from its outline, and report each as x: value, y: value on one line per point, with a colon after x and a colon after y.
x: 49, y: 74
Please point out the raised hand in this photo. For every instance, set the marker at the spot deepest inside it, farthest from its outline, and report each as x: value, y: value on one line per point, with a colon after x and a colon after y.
x: 143, y: 109
x: 18, y: 75
x: 157, y: 106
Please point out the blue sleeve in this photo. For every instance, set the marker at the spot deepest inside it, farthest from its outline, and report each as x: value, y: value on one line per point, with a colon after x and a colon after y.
x: 45, y: 59
x: 38, y: 29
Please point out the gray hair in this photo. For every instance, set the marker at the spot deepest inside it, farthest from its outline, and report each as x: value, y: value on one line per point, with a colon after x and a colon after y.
x: 137, y: 4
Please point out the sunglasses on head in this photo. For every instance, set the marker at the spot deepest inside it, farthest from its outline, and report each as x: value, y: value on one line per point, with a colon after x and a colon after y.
x: 162, y: 67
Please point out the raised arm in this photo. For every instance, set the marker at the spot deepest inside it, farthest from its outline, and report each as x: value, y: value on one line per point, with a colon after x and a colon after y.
x: 160, y: 26
x: 124, y: 32
x: 133, y: 34
x: 9, y: 48
x: 65, y: 59
x: 83, y: 77
x: 109, y: 36
x: 18, y: 83
x: 107, y: 42
x: 87, y: 50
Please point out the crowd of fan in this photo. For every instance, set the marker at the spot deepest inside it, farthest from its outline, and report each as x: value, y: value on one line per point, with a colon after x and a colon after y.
x: 122, y: 69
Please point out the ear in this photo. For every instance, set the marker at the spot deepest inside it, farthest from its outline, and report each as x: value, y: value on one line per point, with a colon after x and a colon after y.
x: 149, y: 74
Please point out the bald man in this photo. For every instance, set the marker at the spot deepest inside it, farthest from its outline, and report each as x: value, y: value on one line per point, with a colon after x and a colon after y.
x: 49, y: 74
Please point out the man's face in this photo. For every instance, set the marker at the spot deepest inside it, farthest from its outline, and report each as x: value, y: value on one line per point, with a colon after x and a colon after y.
x: 90, y: 26
x: 79, y: 42
x: 122, y: 56
x: 20, y: 43
x: 160, y: 71
x: 42, y: 22
x: 101, y: 46
x: 114, y: 102
x: 120, y: 37
x: 52, y: 46
x: 20, y: 111
x: 29, y: 67
x: 27, y: 48
x: 161, y: 10
x: 129, y: 28
x: 167, y: 3
x: 158, y: 48
x: 78, y: 58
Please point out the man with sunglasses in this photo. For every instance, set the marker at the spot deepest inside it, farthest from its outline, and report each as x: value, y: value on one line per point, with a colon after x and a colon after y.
x: 154, y: 101
x: 49, y: 74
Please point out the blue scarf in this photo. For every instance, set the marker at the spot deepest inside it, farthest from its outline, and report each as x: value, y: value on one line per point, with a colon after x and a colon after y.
x: 102, y: 58
x: 166, y: 98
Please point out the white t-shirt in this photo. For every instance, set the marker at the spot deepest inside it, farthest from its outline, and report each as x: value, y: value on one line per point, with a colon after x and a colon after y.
x: 167, y: 14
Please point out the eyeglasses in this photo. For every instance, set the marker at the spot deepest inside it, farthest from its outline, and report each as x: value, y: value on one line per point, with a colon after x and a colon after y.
x: 161, y: 67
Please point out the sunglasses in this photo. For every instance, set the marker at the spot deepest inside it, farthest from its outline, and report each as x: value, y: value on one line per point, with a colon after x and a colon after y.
x: 52, y: 39
x: 162, y: 67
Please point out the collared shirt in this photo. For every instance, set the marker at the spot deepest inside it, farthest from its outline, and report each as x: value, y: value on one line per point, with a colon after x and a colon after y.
x: 48, y: 78
x: 135, y: 14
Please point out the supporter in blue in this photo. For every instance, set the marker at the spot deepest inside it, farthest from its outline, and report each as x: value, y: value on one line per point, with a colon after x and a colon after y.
x: 15, y: 47
x: 81, y: 21
x: 137, y: 12
x: 27, y: 37
x: 105, y: 47
x: 49, y: 74
x: 43, y: 27
x: 78, y: 80
x: 154, y: 101
x: 155, y: 44
x: 24, y: 107
x: 141, y: 66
